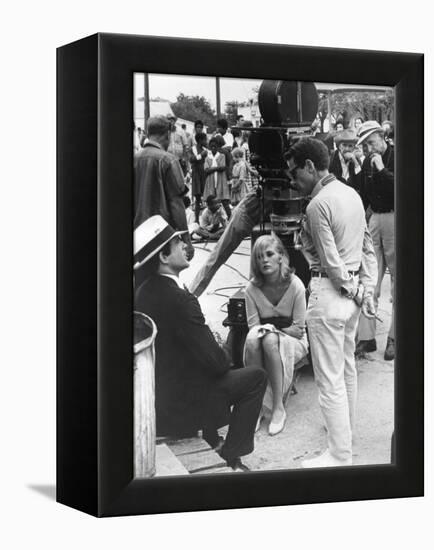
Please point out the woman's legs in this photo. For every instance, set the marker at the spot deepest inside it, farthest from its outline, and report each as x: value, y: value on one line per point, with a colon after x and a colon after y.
x: 274, y: 368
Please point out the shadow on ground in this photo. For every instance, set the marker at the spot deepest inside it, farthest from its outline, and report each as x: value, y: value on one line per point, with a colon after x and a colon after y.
x: 48, y: 491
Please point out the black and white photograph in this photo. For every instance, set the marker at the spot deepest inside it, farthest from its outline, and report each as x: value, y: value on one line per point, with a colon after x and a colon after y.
x: 174, y: 368
x: 264, y: 268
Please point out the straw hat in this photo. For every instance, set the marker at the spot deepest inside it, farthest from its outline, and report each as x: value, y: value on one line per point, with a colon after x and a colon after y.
x: 150, y: 237
x: 368, y: 128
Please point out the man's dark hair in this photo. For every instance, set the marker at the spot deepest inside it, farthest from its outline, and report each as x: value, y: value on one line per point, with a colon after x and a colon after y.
x: 239, y: 117
x: 186, y: 200
x: 200, y: 136
x: 153, y: 264
x: 309, y: 148
x: 158, y: 126
x: 197, y: 123
x: 210, y: 199
x: 222, y: 123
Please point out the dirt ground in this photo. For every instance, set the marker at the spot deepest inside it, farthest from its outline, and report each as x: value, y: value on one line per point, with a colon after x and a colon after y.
x: 304, y: 434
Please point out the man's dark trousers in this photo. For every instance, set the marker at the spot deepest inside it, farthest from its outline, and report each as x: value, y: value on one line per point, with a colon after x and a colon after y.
x: 244, y: 390
x: 194, y: 386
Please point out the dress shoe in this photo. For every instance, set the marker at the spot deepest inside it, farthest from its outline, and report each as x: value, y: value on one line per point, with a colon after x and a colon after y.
x: 237, y: 465
x: 389, y: 354
x: 365, y: 346
x: 326, y: 460
x: 276, y: 427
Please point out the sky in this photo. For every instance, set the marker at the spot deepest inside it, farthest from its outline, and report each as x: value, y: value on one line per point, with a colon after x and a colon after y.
x: 169, y: 86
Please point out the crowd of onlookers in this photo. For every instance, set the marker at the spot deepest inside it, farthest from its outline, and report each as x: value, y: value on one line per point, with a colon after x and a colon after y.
x: 216, y: 170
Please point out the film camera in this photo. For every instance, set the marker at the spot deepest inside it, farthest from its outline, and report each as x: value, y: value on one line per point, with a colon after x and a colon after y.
x: 288, y: 109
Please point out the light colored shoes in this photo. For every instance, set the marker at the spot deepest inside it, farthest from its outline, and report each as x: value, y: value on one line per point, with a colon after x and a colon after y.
x: 326, y: 460
x: 276, y: 427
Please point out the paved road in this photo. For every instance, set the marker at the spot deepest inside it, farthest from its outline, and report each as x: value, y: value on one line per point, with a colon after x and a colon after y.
x: 304, y: 434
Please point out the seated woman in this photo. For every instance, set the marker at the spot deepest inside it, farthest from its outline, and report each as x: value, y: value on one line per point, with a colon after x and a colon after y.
x: 276, y: 311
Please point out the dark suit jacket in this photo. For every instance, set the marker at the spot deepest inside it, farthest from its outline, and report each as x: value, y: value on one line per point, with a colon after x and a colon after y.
x: 189, y: 362
x: 335, y: 168
x: 378, y: 188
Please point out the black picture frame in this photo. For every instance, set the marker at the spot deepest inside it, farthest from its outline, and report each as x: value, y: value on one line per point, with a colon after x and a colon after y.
x: 94, y: 274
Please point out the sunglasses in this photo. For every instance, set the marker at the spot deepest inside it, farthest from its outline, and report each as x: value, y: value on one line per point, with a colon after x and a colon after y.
x: 293, y: 171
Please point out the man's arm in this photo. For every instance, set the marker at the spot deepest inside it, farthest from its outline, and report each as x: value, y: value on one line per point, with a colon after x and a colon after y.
x: 384, y: 176
x: 323, y: 239
x: 368, y: 267
x: 201, y: 345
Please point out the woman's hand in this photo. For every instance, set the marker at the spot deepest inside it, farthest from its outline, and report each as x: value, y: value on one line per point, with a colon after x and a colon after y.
x: 295, y: 332
x: 265, y: 329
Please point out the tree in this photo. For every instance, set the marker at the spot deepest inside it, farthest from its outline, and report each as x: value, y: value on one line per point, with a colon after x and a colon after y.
x: 370, y: 105
x: 195, y: 108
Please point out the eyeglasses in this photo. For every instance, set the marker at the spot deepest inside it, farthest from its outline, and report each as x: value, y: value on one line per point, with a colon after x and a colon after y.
x: 293, y: 171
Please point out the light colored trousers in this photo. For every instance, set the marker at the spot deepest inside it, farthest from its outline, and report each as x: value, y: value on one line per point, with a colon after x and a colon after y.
x: 332, y: 322
x: 382, y: 229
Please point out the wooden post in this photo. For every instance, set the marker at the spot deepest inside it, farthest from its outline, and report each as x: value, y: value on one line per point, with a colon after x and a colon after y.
x: 146, y: 102
x: 218, y: 100
x: 145, y: 332
x: 329, y: 109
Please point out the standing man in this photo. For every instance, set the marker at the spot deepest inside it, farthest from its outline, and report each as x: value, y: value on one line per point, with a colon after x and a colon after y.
x: 159, y: 183
x: 339, y: 250
x: 178, y: 143
x: 346, y: 161
x: 194, y: 386
x: 378, y: 193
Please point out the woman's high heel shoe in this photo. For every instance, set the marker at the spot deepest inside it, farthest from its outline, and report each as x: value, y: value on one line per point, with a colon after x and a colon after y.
x: 276, y: 427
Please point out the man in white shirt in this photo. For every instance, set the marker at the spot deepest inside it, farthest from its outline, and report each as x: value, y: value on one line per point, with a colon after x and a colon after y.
x: 340, y: 253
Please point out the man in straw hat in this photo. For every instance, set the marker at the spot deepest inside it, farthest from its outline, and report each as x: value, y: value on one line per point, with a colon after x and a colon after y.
x: 346, y: 162
x: 378, y: 193
x: 194, y: 386
x: 338, y: 248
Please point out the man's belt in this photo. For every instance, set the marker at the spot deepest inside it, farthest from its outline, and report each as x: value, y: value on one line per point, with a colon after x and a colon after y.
x: 324, y: 274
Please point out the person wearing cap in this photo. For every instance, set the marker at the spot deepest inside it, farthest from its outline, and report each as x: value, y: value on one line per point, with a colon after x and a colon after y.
x: 378, y: 194
x: 194, y: 386
x: 158, y: 181
x: 346, y: 162
x: 339, y: 250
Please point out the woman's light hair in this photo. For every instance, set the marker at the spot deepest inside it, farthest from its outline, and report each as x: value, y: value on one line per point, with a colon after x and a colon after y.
x: 261, y: 244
